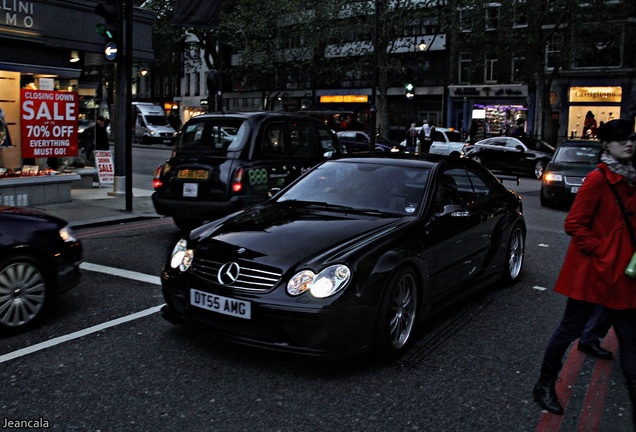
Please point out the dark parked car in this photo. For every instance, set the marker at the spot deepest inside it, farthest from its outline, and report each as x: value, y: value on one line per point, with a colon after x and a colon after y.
x: 222, y: 163
x: 349, y: 258
x: 512, y: 155
x: 39, y: 259
x: 357, y: 141
x: 563, y: 177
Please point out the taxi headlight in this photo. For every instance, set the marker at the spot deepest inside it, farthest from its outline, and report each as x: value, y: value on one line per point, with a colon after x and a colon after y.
x: 551, y: 177
x: 326, y: 283
x: 181, y: 257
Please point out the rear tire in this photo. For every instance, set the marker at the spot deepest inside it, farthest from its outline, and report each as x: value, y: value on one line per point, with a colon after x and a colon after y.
x: 398, y: 314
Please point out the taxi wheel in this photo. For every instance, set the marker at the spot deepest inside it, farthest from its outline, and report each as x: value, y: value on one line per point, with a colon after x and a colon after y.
x: 24, y: 294
x: 398, y: 314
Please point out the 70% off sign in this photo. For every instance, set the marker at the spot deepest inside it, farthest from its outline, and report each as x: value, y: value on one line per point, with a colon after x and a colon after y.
x: 48, y: 123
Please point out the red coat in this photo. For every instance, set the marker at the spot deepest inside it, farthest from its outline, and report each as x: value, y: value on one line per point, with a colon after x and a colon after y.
x: 601, y: 248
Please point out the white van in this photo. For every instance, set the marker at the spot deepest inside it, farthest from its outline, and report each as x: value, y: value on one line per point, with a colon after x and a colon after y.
x: 151, y: 124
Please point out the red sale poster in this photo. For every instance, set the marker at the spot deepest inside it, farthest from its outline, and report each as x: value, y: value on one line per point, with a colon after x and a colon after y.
x: 48, y: 123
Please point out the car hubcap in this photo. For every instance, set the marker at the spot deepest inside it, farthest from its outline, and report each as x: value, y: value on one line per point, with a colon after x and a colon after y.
x: 403, y: 311
x: 538, y: 170
x: 22, y: 294
x: 515, y: 253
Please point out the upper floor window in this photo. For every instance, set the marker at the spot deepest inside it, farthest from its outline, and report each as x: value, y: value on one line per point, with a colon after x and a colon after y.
x: 490, y: 67
x: 197, y: 83
x: 465, y: 67
x: 553, y: 50
x: 187, y: 85
x: 492, y: 16
x: 518, y: 68
x: 520, y: 13
x: 598, y: 46
x: 465, y: 19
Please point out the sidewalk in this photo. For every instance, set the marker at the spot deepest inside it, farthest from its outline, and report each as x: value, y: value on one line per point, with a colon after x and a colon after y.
x: 95, y: 206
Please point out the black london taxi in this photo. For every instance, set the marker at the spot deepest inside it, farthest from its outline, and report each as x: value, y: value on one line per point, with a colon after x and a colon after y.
x: 224, y: 162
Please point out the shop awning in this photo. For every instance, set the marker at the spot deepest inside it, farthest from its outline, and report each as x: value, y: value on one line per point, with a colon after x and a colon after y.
x: 41, y: 69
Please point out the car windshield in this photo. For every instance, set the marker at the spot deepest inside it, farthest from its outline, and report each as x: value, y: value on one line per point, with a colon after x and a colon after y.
x: 157, y: 120
x: 582, y: 155
x: 361, y: 186
x: 213, y: 135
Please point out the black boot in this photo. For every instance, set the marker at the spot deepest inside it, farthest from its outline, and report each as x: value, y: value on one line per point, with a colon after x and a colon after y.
x: 544, y: 392
x: 631, y: 387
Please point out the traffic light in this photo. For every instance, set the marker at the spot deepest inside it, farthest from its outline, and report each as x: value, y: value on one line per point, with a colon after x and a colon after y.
x: 109, y: 29
x: 409, y: 90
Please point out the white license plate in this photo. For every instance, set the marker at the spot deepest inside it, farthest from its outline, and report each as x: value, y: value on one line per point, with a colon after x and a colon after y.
x: 191, y: 190
x: 574, y: 189
x: 223, y: 305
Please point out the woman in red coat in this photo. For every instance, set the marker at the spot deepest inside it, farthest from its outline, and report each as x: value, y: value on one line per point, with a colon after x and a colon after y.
x: 594, y: 268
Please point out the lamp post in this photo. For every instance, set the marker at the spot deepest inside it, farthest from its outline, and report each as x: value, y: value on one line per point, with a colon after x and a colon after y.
x: 374, y: 109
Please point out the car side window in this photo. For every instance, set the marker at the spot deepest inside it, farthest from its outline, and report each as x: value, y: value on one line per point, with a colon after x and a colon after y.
x: 438, y: 136
x: 274, y: 145
x: 449, y: 189
x: 326, y: 140
x: 304, y: 140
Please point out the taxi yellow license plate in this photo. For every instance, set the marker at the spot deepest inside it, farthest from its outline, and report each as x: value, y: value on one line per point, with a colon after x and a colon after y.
x: 193, y: 174
x: 223, y: 305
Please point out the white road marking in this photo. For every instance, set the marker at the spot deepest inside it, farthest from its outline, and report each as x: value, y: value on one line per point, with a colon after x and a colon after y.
x: 99, y: 327
x: 539, y: 288
x: 156, y: 280
x: 78, y: 334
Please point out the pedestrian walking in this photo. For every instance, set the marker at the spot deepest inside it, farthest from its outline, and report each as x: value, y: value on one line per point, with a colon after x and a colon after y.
x: 601, y: 223
x: 411, y: 139
x: 425, y: 137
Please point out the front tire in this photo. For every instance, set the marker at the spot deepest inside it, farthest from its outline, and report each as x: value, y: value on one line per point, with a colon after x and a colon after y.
x: 515, y: 252
x: 24, y: 294
x: 398, y: 314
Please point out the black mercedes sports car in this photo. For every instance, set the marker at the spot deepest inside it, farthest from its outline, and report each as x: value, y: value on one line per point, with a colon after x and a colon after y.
x: 350, y: 257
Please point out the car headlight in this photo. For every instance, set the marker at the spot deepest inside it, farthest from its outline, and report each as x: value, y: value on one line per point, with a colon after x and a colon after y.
x: 328, y: 282
x: 181, y: 257
x: 67, y: 234
x: 552, y: 177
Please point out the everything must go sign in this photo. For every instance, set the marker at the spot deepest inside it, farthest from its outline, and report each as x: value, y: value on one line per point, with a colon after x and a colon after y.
x: 48, y: 123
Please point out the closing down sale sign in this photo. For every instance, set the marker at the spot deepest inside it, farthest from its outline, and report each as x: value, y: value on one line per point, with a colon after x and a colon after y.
x: 48, y: 123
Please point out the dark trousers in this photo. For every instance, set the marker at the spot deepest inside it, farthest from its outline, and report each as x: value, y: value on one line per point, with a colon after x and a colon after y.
x: 576, y: 316
x: 597, y: 326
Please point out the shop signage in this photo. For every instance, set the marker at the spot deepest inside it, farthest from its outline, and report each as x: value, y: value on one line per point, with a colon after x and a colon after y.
x: 105, y: 168
x: 344, y: 99
x: 596, y: 94
x: 48, y: 122
x: 502, y: 91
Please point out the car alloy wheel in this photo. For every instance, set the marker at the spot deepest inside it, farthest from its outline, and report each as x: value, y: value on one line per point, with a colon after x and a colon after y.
x: 398, y: 313
x: 514, y: 254
x: 476, y: 158
x: 23, y: 294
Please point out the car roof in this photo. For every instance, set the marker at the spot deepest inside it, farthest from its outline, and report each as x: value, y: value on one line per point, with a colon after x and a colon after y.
x: 255, y: 115
x: 580, y: 143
